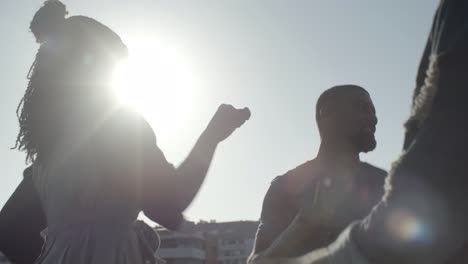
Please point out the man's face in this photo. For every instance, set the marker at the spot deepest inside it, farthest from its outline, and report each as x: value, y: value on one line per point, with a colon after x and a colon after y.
x: 356, y: 120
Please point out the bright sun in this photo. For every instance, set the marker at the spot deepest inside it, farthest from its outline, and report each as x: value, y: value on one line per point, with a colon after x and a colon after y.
x: 156, y: 80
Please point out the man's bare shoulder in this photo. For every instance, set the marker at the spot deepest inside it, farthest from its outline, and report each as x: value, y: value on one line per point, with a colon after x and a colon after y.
x: 375, y: 176
x: 289, y: 182
x: 295, y: 179
x: 372, y: 170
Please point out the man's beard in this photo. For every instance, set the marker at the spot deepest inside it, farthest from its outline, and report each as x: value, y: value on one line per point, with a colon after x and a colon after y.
x: 365, y: 142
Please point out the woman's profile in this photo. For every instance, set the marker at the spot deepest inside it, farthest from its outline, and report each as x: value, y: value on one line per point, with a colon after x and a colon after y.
x: 95, y: 164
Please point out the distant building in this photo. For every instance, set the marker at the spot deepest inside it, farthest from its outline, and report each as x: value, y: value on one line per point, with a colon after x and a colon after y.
x: 203, y: 243
x: 180, y: 248
x: 234, y: 249
x: 208, y: 243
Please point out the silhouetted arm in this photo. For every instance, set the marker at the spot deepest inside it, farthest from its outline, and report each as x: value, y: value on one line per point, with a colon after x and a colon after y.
x: 294, y: 236
x: 271, y: 220
x: 176, y: 188
x: 21, y: 220
x: 314, y: 215
x: 166, y: 190
x: 270, y: 242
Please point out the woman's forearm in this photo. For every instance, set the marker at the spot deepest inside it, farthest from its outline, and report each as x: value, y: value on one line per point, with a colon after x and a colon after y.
x: 191, y: 173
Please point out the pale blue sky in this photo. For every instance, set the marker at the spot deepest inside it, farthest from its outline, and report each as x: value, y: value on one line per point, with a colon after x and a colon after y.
x: 273, y: 56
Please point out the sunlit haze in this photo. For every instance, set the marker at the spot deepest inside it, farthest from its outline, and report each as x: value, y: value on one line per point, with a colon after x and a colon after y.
x: 157, y: 80
x: 274, y: 56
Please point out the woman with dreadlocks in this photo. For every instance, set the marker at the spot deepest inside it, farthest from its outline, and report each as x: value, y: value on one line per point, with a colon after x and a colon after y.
x: 95, y: 164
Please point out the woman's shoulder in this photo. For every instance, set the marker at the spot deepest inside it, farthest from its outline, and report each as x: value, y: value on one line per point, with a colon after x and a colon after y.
x: 127, y: 123
x: 123, y: 130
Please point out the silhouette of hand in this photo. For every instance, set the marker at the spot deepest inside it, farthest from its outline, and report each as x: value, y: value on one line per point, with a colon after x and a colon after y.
x: 225, y: 121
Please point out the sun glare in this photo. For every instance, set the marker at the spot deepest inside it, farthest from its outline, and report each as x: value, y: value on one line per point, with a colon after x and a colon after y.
x: 156, y: 80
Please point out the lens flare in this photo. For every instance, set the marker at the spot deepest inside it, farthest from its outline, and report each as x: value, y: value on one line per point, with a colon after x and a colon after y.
x: 405, y: 226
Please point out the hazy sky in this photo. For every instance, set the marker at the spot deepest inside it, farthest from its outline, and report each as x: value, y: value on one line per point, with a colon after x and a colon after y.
x: 274, y: 56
